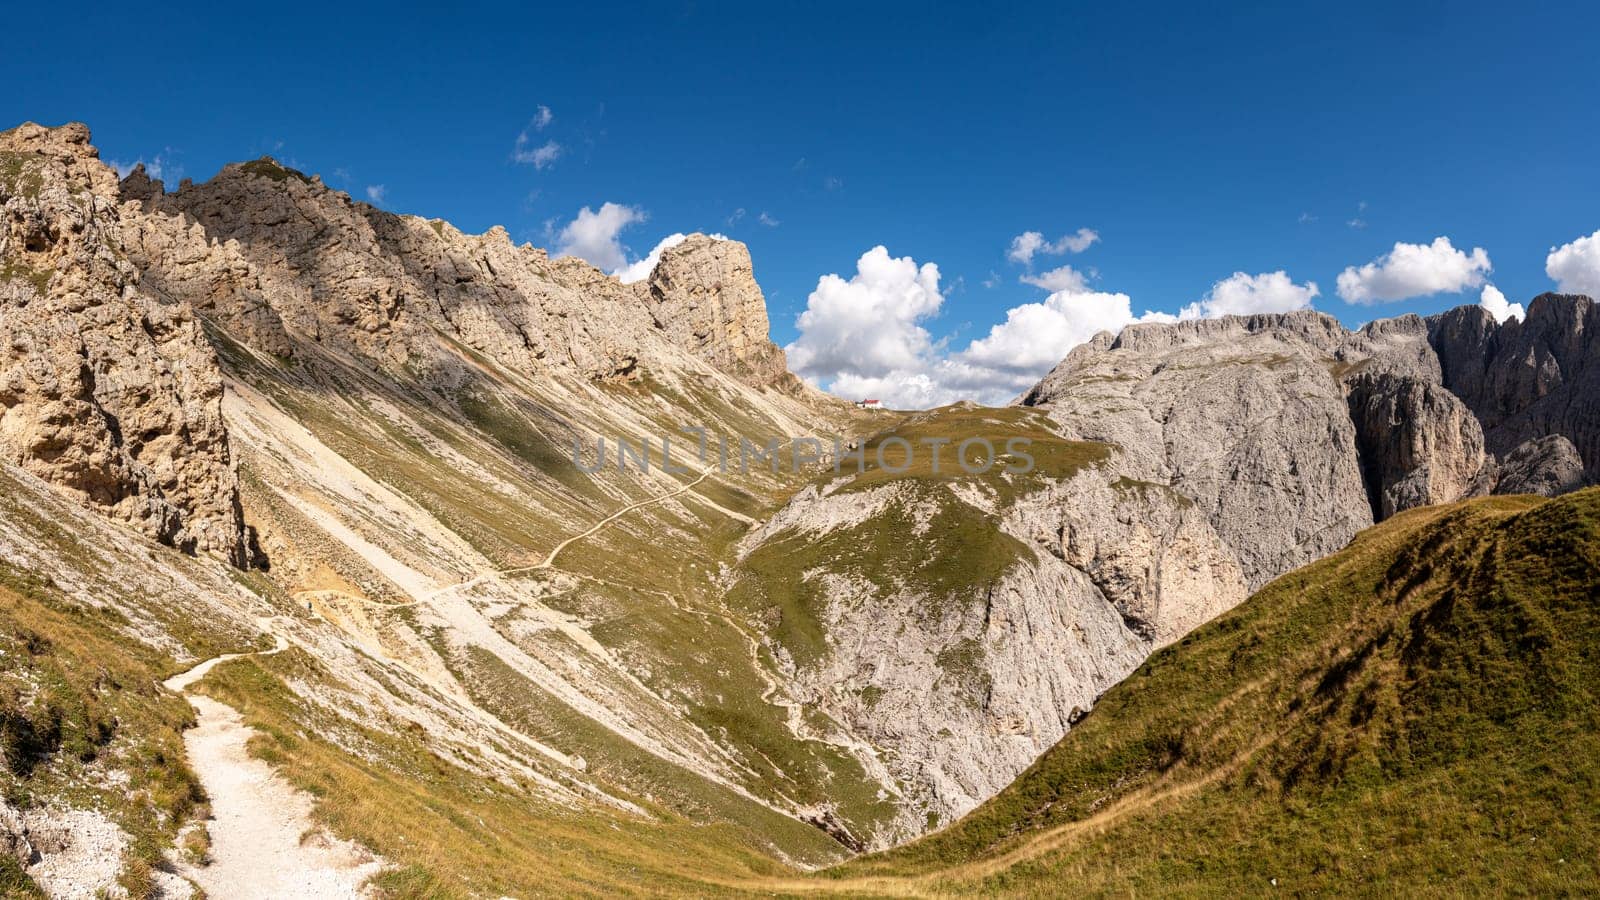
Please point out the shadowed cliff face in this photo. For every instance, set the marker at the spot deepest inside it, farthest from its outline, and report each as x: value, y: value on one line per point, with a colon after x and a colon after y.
x: 1529, y: 379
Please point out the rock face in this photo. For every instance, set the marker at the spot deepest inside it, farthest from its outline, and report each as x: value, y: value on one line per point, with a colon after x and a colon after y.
x: 279, y: 257
x: 1418, y: 444
x: 1527, y: 379
x: 1242, y: 416
x: 1432, y: 406
x: 1548, y: 466
x: 107, y: 391
x: 703, y: 295
x: 965, y: 685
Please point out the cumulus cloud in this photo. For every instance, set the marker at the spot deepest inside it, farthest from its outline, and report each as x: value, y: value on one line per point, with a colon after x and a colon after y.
x: 1242, y: 295
x: 1066, y: 278
x: 1415, y: 270
x: 542, y: 118
x: 1030, y: 243
x: 1575, y: 267
x: 1035, y: 336
x: 375, y: 192
x: 865, y: 337
x: 640, y: 269
x: 594, y: 235
x: 1495, y: 302
x: 767, y: 220
x: 868, y: 325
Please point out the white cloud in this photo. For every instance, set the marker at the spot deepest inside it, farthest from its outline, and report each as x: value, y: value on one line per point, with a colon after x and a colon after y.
x: 375, y: 192
x: 1066, y: 278
x: 156, y: 168
x: 864, y: 338
x: 766, y: 219
x: 1035, y: 336
x: 1242, y: 295
x: 1414, y: 270
x: 593, y: 235
x: 1575, y: 267
x: 1495, y: 302
x: 737, y: 215
x: 640, y: 269
x: 868, y: 325
x: 540, y: 157
x: 1029, y: 243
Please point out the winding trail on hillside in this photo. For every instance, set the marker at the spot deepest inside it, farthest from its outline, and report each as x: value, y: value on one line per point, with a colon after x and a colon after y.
x: 264, y: 843
x: 547, y: 563
x: 550, y: 560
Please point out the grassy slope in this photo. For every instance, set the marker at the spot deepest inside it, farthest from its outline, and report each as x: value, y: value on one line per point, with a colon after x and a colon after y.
x: 958, y: 551
x: 932, y: 462
x: 78, y: 700
x: 455, y: 834
x: 1418, y: 712
x: 653, y: 600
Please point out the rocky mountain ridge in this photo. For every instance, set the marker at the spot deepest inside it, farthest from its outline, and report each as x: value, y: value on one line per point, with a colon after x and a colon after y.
x: 1443, y: 408
x: 384, y: 409
x: 1237, y: 449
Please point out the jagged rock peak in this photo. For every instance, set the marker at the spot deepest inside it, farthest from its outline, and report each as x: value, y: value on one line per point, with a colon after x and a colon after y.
x: 107, y: 391
x: 281, y: 259
x: 1435, y: 403
x: 1319, y: 328
x: 1525, y: 379
x: 703, y: 295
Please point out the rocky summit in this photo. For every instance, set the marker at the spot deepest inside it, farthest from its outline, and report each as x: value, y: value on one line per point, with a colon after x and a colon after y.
x: 319, y: 521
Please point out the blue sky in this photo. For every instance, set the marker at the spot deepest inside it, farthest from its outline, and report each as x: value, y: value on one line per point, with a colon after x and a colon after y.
x: 1194, y: 143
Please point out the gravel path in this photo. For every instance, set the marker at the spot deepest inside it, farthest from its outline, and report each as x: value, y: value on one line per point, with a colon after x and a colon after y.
x: 264, y: 843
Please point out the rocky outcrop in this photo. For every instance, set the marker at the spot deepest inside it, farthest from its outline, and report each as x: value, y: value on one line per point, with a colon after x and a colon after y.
x: 1242, y: 416
x: 1151, y: 552
x: 1418, y: 444
x: 279, y: 258
x: 1548, y: 466
x: 107, y: 391
x: 961, y: 687
x: 703, y: 295
x: 1431, y: 404
x: 1527, y: 379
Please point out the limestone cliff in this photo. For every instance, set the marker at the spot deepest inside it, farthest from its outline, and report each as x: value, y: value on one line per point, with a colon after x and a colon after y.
x: 1431, y: 410
x: 1525, y: 379
x: 107, y: 390
x: 279, y: 257
x: 1240, y: 415
x: 703, y: 295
